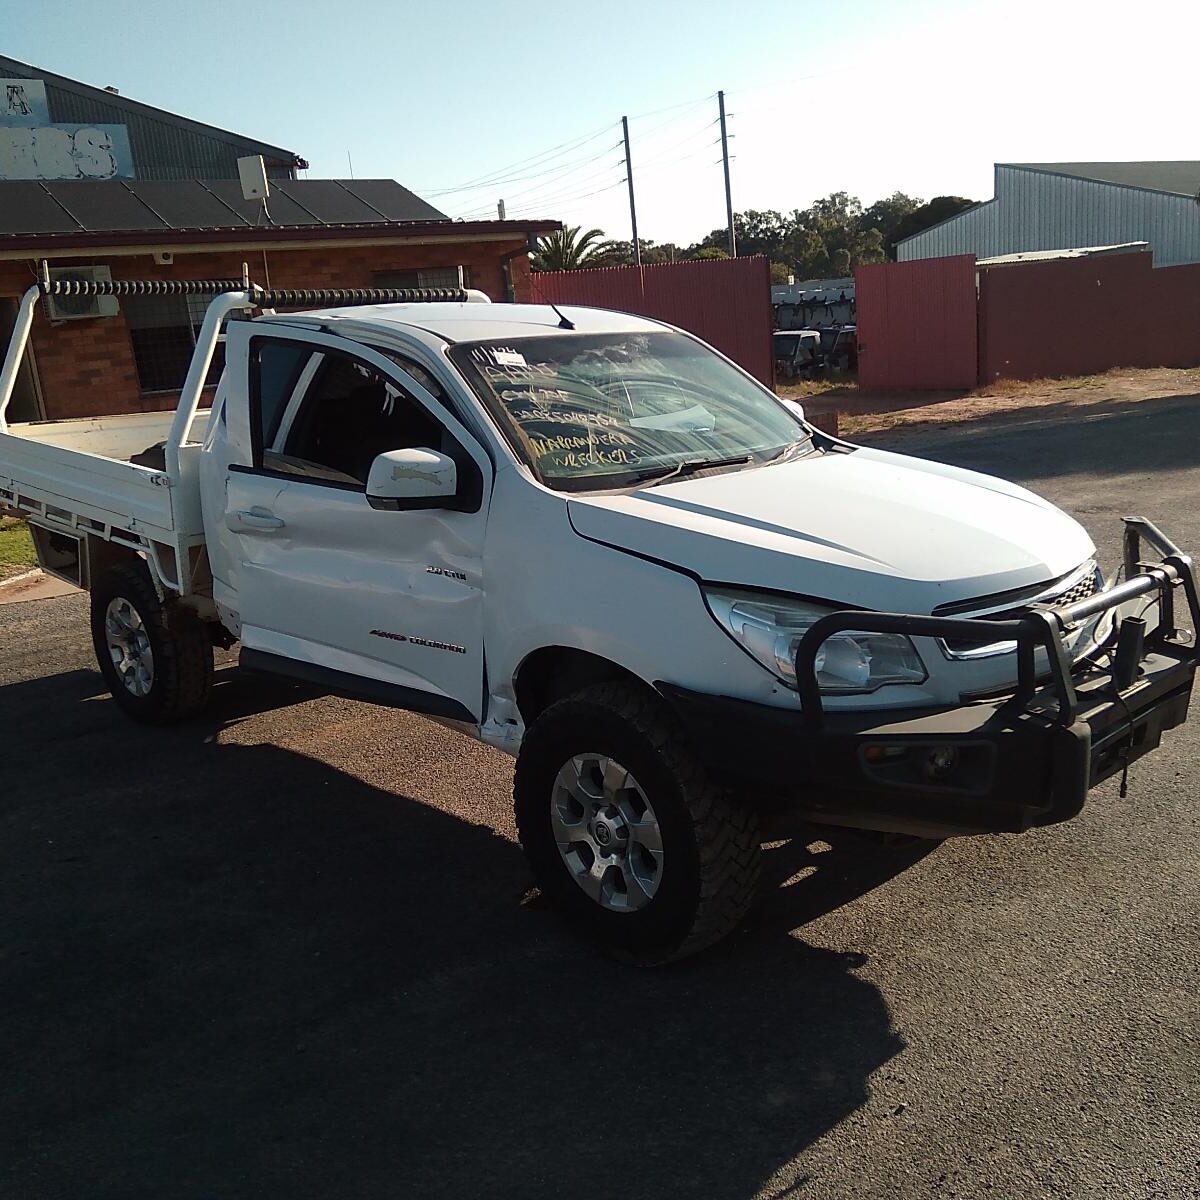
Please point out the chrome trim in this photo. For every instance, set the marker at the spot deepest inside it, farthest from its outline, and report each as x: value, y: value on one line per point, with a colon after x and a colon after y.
x: 1076, y: 644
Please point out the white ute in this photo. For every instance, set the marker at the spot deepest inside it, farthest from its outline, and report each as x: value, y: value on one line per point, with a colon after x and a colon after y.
x: 597, y: 544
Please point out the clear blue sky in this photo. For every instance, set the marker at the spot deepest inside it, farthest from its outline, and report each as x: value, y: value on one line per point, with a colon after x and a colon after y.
x: 868, y: 96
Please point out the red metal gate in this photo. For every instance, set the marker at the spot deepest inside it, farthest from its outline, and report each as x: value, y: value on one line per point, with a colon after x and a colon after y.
x: 727, y: 302
x: 917, y: 324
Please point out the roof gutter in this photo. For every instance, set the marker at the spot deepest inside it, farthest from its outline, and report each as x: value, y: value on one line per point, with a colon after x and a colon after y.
x: 124, y: 242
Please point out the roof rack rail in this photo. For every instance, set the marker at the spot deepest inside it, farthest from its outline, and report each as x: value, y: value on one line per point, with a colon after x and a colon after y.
x: 263, y: 297
x: 138, y: 287
x: 291, y: 297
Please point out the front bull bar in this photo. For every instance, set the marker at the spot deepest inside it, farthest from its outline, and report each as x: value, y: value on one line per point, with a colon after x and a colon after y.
x: 1042, y: 626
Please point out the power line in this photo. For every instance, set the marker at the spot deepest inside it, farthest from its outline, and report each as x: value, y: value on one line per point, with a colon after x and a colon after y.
x: 558, y: 185
x: 533, y: 160
x: 554, y: 192
x: 557, y: 178
x: 668, y: 107
x: 528, y: 208
x: 557, y: 169
x: 538, y: 197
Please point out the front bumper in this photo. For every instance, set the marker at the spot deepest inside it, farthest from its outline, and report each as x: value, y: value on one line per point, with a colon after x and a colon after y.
x: 998, y: 765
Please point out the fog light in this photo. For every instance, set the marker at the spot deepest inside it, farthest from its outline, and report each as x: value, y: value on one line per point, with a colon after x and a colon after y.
x: 939, y: 762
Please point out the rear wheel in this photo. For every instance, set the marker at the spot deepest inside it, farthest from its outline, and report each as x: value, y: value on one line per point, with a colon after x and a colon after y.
x: 626, y: 831
x: 157, y: 661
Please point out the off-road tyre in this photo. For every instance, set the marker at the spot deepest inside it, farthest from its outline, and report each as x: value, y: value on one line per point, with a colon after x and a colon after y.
x: 711, y: 845
x: 182, y: 651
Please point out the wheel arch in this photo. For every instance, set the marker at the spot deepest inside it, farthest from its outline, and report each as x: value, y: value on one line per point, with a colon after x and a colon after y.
x: 553, y: 672
x: 103, y: 555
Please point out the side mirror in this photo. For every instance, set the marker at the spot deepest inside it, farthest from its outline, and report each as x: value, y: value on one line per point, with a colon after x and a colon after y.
x: 793, y: 406
x: 412, y: 479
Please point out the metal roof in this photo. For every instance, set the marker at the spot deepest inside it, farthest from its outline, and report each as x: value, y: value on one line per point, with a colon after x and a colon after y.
x: 165, y: 145
x: 1004, y: 260
x: 1177, y: 178
x: 76, y: 206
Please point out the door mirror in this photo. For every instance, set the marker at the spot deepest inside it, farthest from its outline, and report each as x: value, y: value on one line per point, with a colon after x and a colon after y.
x: 793, y: 406
x: 410, y: 478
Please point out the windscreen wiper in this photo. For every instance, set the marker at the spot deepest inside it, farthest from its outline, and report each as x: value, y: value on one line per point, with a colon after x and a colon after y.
x: 690, y: 466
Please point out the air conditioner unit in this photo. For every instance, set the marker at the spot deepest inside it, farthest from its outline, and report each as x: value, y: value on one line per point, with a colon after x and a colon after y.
x: 74, y: 308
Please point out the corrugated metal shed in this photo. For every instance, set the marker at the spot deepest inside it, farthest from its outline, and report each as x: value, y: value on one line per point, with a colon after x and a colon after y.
x: 165, y: 146
x: 1040, y: 207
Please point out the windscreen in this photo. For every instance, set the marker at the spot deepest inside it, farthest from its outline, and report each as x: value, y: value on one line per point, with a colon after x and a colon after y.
x: 590, y: 411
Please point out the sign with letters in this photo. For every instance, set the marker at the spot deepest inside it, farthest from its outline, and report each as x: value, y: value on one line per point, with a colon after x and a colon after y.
x: 34, y: 147
x: 23, y: 102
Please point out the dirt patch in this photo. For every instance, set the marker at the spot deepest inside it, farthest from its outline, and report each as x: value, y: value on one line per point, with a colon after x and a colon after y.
x: 861, y: 411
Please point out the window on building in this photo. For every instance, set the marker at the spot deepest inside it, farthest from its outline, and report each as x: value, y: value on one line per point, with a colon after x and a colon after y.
x: 163, y: 331
x: 426, y: 277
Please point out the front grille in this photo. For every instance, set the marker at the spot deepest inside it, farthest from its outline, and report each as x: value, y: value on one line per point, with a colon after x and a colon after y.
x: 1078, y: 585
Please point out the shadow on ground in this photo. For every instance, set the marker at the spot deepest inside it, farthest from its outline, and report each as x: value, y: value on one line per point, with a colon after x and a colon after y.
x: 232, y: 970
x: 1056, y: 440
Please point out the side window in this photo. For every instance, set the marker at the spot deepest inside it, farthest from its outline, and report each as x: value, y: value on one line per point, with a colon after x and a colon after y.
x: 349, y: 415
x: 427, y: 380
x: 275, y: 369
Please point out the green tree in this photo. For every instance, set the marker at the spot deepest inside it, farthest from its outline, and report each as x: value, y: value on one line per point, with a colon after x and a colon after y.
x: 614, y: 253
x: 567, y: 250
x: 886, y: 216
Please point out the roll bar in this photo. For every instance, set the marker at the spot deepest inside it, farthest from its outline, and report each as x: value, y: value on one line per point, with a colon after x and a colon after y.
x: 228, y: 295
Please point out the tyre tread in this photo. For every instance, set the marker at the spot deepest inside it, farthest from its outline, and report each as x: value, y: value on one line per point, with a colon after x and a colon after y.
x: 727, y: 834
x: 183, y: 657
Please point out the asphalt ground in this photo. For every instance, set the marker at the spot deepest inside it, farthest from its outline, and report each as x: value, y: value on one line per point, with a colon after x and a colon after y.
x: 289, y: 951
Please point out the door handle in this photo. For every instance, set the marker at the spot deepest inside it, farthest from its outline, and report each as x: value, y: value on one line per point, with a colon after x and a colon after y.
x: 255, y: 520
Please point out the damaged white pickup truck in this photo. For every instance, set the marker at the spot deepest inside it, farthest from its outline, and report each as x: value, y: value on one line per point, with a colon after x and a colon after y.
x: 595, y: 543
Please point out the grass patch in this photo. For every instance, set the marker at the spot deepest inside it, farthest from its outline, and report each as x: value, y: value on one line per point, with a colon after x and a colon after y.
x: 16, y: 547
x: 798, y: 389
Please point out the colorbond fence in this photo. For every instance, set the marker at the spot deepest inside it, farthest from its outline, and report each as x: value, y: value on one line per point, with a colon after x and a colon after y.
x: 916, y: 323
x: 949, y: 323
x: 727, y: 302
x: 1080, y: 316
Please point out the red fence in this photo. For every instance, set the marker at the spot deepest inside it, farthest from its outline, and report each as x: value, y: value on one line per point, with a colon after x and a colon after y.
x: 727, y: 302
x: 929, y: 324
x: 916, y: 323
x: 1080, y: 316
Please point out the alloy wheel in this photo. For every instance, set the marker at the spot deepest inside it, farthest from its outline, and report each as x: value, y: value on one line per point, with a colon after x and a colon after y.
x: 607, y: 832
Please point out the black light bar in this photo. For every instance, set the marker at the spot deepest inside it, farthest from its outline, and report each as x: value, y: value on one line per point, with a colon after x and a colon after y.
x: 295, y: 297
x: 138, y: 287
x: 262, y: 297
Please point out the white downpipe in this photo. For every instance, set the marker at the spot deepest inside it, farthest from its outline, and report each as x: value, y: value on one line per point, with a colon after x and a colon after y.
x: 16, y: 351
x: 193, y: 385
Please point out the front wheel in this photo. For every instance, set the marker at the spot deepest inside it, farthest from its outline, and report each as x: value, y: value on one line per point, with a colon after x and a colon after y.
x: 625, y: 830
x: 157, y: 662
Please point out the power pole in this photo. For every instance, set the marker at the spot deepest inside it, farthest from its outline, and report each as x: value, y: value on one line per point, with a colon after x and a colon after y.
x: 728, y: 193
x: 637, y: 245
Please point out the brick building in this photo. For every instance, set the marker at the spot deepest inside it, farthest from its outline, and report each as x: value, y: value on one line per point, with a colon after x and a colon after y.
x: 97, y: 184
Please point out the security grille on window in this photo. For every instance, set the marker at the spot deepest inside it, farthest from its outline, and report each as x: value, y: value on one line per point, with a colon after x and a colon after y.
x: 427, y: 277
x: 163, y: 332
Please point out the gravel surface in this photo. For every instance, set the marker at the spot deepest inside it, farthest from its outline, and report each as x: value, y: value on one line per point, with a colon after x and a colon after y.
x: 288, y: 951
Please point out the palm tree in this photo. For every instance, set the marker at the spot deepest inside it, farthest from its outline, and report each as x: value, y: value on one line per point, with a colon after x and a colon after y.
x: 566, y: 250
